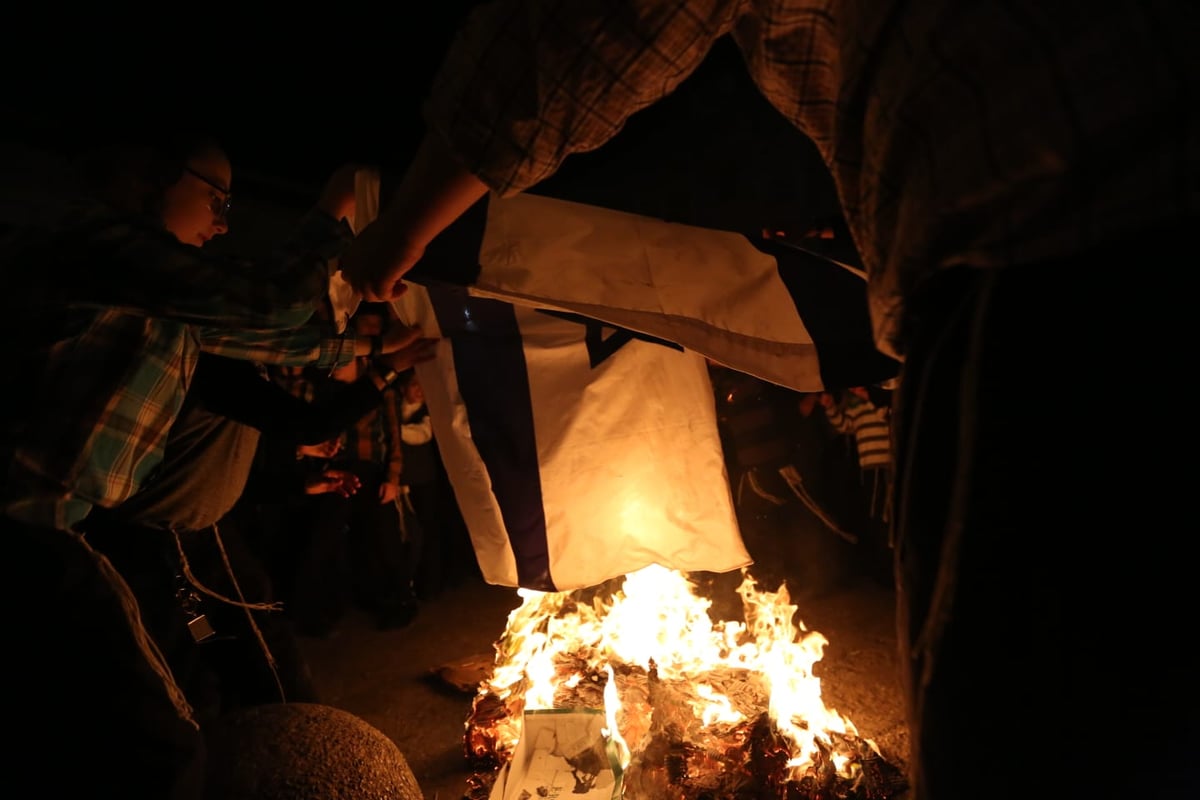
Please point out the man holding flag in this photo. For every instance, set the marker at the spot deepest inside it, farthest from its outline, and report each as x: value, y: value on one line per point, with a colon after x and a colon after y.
x: 1001, y: 166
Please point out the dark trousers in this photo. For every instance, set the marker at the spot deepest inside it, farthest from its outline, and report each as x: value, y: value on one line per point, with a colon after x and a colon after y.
x: 1046, y: 583
x: 379, y: 553
x: 318, y: 572
x: 343, y: 552
x: 428, y: 551
x: 447, y: 556
x: 89, y: 715
x: 234, y: 654
x: 228, y: 669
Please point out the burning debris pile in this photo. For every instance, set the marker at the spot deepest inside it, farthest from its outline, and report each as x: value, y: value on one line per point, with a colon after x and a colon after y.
x: 692, y: 709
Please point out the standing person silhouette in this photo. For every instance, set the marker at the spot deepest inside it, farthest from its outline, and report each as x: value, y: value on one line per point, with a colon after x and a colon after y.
x: 1018, y: 178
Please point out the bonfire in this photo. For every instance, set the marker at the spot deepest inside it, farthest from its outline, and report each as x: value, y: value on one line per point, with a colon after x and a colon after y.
x: 684, y: 708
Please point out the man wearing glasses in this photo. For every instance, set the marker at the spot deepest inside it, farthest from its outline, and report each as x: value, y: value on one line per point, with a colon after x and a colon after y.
x: 217, y: 201
x: 111, y: 300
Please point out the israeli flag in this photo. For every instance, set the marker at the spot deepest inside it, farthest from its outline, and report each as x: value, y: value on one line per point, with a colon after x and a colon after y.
x: 787, y: 315
x: 571, y: 398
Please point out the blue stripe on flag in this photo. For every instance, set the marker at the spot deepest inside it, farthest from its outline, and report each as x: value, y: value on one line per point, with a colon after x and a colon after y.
x: 489, y: 361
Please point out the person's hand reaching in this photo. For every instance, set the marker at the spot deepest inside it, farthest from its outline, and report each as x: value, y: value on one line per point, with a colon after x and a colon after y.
x: 327, y: 449
x: 377, y: 259
x: 339, y: 481
x: 407, y: 349
x: 399, y: 336
x: 435, y: 190
x: 388, y: 492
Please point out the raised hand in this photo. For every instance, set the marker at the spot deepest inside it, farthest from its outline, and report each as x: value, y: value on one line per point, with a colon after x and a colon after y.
x: 327, y: 449
x: 378, y: 258
x: 416, y: 349
x: 388, y: 492
x: 399, y: 336
x: 332, y: 480
x: 435, y: 190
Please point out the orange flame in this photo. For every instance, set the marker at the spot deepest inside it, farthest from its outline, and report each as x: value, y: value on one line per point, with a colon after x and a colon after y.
x: 657, y: 621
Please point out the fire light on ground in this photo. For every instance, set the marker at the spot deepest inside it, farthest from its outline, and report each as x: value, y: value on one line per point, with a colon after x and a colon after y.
x: 693, y: 708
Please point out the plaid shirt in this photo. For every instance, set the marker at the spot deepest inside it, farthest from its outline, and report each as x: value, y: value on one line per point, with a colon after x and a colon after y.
x: 104, y: 384
x: 295, y: 380
x: 375, y: 437
x: 988, y: 133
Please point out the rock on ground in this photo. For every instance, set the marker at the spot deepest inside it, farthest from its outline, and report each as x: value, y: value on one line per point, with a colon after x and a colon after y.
x: 305, y: 751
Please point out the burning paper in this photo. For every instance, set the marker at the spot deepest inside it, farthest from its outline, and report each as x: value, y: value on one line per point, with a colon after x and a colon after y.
x: 562, y: 754
x: 693, y: 709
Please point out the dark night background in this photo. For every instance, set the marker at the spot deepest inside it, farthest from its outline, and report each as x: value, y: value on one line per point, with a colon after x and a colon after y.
x: 294, y: 95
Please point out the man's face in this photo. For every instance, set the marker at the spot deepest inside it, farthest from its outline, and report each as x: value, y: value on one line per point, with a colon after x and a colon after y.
x: 197, y: 204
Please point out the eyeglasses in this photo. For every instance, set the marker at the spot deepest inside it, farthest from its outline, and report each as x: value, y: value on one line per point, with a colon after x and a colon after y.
x: 220, y: 203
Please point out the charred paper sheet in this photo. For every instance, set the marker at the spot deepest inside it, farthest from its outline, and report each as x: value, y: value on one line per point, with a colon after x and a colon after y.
x: 562, y: 754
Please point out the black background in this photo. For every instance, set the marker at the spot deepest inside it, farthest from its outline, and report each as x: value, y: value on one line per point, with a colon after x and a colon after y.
x: 295, y: 92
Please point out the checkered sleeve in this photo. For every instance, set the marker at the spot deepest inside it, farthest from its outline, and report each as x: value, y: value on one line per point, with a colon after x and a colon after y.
x: 525, y: 84
x: 302, y: 345
x: 109, y: 261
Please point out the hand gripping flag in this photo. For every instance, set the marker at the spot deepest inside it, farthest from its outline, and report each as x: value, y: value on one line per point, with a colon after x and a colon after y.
x: 760, y: 306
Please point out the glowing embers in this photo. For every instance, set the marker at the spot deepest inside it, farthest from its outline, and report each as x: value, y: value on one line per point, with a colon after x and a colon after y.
x: 694, y: 709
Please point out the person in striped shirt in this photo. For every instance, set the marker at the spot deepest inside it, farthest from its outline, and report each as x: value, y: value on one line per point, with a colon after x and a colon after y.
x: 1019, y: 178
x: 868, y: 428
x: 853, y: 413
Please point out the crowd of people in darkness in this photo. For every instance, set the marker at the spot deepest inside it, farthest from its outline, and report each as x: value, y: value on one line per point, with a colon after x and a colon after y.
x: 192, y: 440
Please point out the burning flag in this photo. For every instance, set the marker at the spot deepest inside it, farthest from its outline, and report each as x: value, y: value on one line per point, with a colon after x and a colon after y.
x: 572, y: 403
x: 693, y: 708
x: 578, y: 452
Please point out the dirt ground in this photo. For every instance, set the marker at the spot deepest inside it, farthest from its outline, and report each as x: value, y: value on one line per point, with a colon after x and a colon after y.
x: 390, y: 678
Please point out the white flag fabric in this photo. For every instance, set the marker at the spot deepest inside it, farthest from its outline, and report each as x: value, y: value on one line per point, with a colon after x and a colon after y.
x: 779, y: 313
x: 578, y: 452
